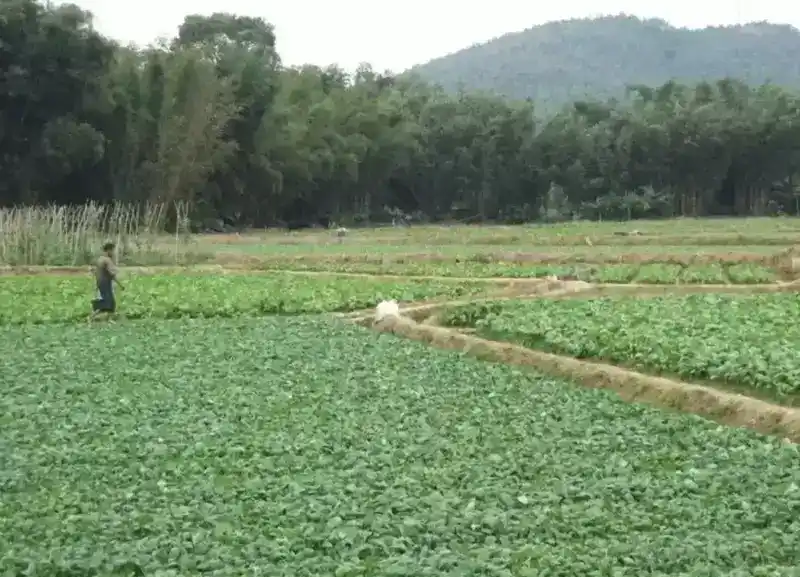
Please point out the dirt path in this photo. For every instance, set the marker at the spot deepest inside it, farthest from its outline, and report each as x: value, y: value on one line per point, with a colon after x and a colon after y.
x: 419, y: 322
x: 728, y: 408
x: 424, y: 311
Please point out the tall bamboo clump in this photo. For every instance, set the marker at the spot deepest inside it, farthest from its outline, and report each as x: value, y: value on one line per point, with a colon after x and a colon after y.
x: 73, y: 235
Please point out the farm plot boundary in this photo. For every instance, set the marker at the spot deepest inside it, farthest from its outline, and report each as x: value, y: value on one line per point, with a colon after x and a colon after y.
x: 719, y: 405
x: 730, y: 266
x: 727, y: 408
x: 428, y: 312
x: 511, y: 289
x: 420, y: 322
x: 786, y: 285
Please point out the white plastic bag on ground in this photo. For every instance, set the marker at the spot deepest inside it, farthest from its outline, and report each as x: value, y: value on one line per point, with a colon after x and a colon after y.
x: 386, y: 309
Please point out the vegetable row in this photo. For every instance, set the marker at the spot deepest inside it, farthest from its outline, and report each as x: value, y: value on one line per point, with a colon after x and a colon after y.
x: 749, y: 340
x: 48, y: 299
x: 650, y: 273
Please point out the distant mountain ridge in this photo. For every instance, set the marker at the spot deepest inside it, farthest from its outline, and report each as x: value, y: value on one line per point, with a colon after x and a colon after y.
x: 562, y: 61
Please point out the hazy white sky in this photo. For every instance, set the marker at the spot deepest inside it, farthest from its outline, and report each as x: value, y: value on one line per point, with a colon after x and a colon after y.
x: 348, y: 32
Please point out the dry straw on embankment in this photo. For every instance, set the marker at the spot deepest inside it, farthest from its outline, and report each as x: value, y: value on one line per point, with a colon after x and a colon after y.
x: 723, y: 407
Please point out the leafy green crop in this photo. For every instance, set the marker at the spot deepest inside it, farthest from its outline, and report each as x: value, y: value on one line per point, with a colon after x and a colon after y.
x: 468, y: 269
x: 653, y: 273
x: 291, y: 447
x: 48, y: 299
x: 751, y: 274
x: 469, y: 315
x: 749, y: 340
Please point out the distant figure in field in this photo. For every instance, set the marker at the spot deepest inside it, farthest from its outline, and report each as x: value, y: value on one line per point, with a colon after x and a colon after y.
x: 106, y: 276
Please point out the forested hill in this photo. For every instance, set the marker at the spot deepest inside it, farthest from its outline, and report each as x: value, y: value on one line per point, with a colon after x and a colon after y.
x: 562, y: 61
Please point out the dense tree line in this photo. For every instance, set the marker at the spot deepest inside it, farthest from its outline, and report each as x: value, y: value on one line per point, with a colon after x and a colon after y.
x: 212, y: 118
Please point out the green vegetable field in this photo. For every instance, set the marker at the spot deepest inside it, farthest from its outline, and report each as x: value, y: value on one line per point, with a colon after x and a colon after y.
x: 59, y: 299
x: 750, y: 340
x: 651, y: 273
x: 298, y: 447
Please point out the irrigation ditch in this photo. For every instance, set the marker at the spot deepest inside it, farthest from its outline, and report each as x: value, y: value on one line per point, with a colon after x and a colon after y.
x: 420, y: 322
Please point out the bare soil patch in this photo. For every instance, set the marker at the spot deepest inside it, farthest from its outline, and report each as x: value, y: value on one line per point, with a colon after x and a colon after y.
x: 727, y: 408
x: 656, y: 290
x: 787, y: 263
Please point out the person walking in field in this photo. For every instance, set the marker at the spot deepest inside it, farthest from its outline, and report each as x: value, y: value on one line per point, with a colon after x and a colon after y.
x: 106, y: 276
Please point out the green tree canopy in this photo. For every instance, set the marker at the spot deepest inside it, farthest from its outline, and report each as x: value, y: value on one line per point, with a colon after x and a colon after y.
x: 215, y: 120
